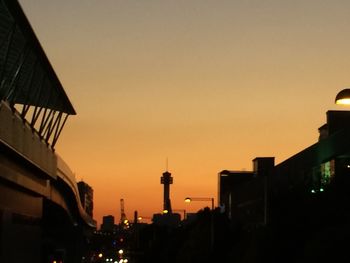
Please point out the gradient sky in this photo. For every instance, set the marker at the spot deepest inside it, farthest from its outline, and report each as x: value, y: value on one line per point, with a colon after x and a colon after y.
x: 210, y: 85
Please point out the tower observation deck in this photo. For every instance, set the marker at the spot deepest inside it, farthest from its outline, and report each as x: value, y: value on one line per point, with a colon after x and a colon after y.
x: 167, y: 180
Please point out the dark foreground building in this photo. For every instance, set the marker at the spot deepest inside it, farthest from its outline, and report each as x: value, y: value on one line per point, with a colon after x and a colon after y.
x: 298, y: 210
x: 242, y: 194
x: 41, y: 216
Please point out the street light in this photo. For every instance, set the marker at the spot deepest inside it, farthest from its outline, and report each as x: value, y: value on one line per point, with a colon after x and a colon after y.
x: 144, y: 218
x: 343, y: 97
x: 190, y: 199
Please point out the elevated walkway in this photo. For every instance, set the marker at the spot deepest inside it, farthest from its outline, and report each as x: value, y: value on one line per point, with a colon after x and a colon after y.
x: 41, y: 213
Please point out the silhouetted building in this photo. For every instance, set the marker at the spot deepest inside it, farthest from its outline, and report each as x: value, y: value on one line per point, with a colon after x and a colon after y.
x: 170, y: 220
x: 108, y: 224
x: 309, y: 197
x: 242, y: 194
x: 263, y: 166
x: 314, y: 168
x: 190, y: 218
x: 229, y: 183
x: 248, y: 196
x: 86, y: 194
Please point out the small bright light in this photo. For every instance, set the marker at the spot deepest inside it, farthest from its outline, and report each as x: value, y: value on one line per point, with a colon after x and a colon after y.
x: 126, y: 221
x: 343, y: 101
x: 188, y: 200
x: 343, y: 97
x: 121, y: 251
x: 100, y: 255
x: 321, y: 190
x: 165, y: 211
x: 313, y: 191
x: 126, y: 260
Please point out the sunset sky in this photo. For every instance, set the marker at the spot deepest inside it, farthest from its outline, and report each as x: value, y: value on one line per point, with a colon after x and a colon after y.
x: 208, y: 84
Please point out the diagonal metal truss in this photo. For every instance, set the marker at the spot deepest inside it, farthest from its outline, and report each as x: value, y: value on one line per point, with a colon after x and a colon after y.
x: 28, y: 82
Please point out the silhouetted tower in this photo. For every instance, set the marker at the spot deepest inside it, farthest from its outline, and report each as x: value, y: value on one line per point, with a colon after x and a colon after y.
x: 167, y: 180
x: 122, y: 213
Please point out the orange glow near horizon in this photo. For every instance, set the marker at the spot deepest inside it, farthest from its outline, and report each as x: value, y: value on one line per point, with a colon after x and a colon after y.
x: 210, y: 85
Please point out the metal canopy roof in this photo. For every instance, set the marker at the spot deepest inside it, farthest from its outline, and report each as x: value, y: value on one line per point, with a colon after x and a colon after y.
x: 26, y: 75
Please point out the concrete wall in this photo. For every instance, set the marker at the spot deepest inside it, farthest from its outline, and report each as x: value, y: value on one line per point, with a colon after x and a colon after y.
x: 17, y: 134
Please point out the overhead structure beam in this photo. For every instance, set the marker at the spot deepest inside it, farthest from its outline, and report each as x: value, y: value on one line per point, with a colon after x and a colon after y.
x: 28, y: 82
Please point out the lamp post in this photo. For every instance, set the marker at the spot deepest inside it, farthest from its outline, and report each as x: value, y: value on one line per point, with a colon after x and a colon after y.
x: 211, y: 199
x: 343, y: 97
x: 190, y: 199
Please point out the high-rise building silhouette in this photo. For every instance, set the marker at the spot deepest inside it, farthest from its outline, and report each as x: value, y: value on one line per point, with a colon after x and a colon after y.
x: 86, y: 197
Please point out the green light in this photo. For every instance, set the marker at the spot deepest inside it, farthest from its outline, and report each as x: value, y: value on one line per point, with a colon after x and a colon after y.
x: 313, y: 191
x: 321, y: 189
